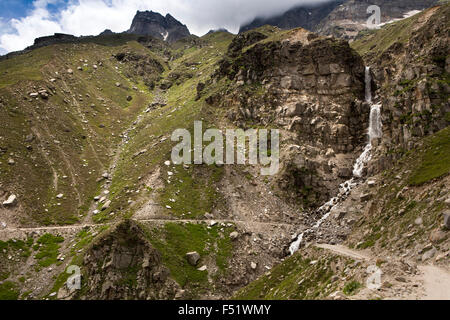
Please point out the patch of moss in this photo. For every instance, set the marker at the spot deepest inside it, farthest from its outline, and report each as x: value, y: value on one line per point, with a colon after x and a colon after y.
x: 175, y: 240
x: 9, y: 291
x: 297, y: 278
x: 351, y: 288
x: 48, y: 249
x: 434, y: 162
x: 17, y: 245
x: 192, y: 192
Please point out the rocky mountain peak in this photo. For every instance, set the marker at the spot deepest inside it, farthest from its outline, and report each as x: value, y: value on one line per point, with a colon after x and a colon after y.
x: 305, y: 16
x: 154, y: 24
x: 340, y: 18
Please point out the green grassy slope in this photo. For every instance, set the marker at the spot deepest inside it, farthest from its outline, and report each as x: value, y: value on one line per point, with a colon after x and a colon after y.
x: 61, y: 145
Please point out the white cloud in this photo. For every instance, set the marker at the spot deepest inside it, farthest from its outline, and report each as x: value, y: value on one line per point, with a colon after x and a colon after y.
x: 90, y: 17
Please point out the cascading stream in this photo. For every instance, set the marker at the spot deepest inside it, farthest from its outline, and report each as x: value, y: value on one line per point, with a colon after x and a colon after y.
x: 375, y: 131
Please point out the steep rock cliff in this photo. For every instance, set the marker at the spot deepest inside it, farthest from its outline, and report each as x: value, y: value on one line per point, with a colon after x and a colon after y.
x: 310, y: 87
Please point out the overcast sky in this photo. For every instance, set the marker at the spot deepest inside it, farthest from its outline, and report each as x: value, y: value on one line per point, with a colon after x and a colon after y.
x: 21, y: 21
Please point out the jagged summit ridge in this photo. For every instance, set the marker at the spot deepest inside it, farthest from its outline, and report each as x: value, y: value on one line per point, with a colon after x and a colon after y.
x: 156, y: 25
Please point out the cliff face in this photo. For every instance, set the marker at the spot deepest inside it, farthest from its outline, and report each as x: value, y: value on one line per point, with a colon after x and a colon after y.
x: 302, y: 16
x: 154, y: 24
x: 310, y: 87
x: 410, y: 64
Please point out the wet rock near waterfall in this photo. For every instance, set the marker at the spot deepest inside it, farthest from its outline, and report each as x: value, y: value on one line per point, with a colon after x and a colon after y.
x: 345, y: 173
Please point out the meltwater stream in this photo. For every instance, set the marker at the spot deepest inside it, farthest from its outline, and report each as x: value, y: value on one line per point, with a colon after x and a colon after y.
x: 375, y: 131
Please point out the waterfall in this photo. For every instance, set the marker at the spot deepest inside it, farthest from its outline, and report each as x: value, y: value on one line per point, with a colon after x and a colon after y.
x: 375, y: 131
x: 375, y: 128
x: 368, y: 85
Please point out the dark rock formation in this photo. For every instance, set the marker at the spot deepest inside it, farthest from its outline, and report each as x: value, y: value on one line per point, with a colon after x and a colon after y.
x: 154, y: 24
x: 124, y: 265
x: 305, y: 16
x: 107, y: 32
x: 141, y: 65
x: 217, y: 30
x: 49, y: 40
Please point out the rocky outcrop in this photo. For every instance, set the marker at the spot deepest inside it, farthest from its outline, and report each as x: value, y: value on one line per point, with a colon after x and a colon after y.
x: 312, y: 88
x: 55, y: 39
x: 124, y: 265
x: 141, y: 65
x: 107, y: 32
x: 154, y: 24
x: 217, y: 30
x: 305, y: 16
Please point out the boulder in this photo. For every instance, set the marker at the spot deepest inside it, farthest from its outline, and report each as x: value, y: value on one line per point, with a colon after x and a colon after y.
x: 365, y: 197
x: 447, y: 219
x: 29, y: 138
x: 330, y: 153
x: 212, y: 223
x: 106, y: 205
x: 345, y: 172
x: 180, y: 294
x: 340, y: 215
x: 193, y: 258
x: 437, y: 236
x: 43, y: 94
x: 429, y: 254
x: 447, y: 202
x: 234, y: 235
x: 204, y: 268
x: 11, y: 201
x: 442, y: 256
x: 371, y: 183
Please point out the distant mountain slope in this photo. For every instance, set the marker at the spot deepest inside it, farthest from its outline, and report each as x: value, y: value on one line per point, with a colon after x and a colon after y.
x: 301, y: 16
x: 340, y: 18
x: 153, y: 24
x: 347, y: 20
